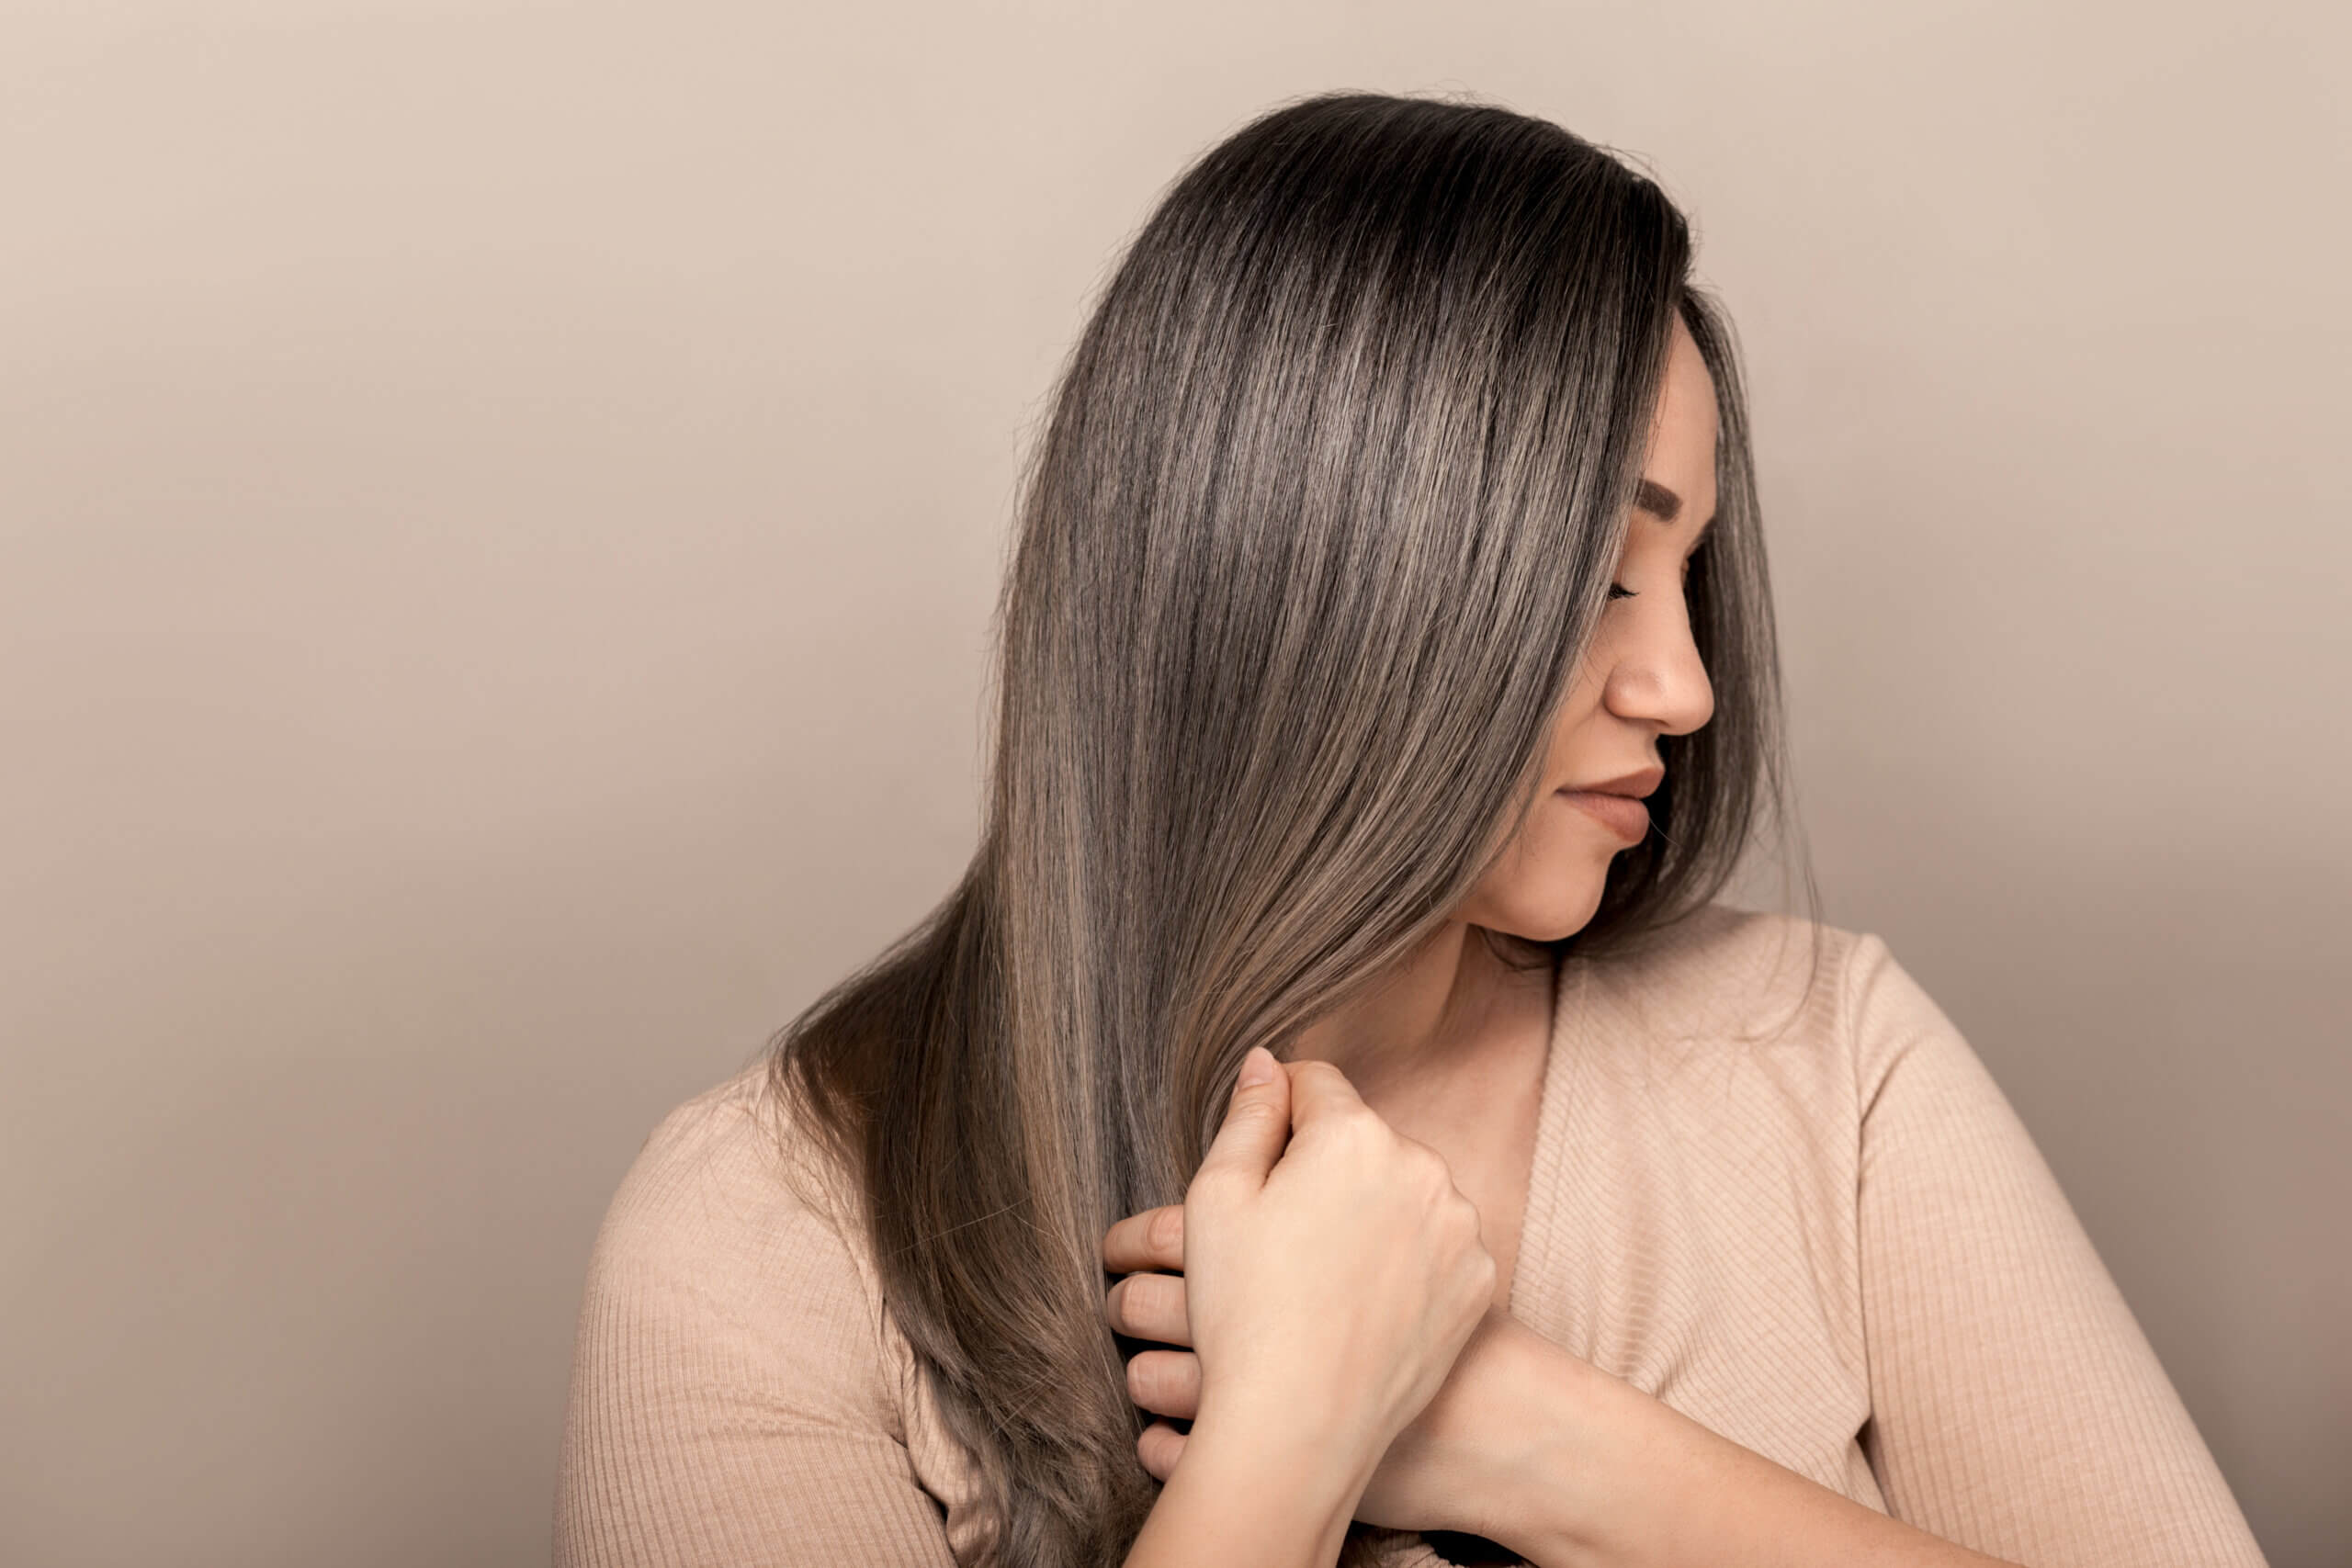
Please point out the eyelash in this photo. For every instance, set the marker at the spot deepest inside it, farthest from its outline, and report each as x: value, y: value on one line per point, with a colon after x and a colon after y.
x: 1616, y: 591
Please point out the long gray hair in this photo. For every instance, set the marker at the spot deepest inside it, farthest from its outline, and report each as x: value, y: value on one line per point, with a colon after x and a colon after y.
x: 1320, y: 524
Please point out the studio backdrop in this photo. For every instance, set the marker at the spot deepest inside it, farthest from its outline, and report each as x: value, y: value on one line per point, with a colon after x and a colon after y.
x: 501, y: 505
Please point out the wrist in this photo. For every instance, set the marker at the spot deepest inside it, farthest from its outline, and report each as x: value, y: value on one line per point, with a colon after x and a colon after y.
x: 1568, y: 1468
x: 1603, y: 1475
x: 1282, y: 1481
x: 1310, y: 1441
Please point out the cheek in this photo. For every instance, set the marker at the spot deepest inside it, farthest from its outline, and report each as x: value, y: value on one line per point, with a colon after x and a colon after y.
x: 1548, y: 881
x: 1549, y: 878
x: 1550, y: 885
x: 1576, y: 747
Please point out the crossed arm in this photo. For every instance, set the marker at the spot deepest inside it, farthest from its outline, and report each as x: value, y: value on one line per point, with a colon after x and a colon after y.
x: 1526, y: 1444
x: 732, y: 1399
x: 2018, y: 1413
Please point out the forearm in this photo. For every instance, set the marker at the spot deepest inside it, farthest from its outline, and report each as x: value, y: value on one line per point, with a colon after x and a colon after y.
x: 1250, y: 1494
x: 1606, y: 1476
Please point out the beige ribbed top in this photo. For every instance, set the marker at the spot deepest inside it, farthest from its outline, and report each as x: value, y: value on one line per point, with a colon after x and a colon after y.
x: 1822, y: 1233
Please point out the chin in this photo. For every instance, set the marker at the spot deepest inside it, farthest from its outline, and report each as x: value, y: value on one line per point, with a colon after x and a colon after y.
x: 1568, y: 908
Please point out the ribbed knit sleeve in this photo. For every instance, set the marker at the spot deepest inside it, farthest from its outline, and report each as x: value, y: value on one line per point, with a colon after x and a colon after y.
x: 731, y: 1402
x: 2016, y: 1408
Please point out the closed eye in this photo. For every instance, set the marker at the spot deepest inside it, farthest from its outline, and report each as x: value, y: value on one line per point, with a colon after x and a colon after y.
x: 1618, y: 591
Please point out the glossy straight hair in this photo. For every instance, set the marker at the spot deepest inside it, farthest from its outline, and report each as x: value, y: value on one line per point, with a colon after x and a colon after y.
x: 1325, y: 506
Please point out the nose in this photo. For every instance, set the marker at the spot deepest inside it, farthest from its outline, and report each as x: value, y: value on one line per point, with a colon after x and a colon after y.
x: 1657, y: 677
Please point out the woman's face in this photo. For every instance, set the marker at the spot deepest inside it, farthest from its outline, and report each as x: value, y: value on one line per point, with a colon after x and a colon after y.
x: 1641, y: 679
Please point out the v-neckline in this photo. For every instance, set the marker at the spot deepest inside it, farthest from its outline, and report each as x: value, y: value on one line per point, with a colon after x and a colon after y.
x: 1536, y: 1206
x: 1538, y: 1211
x: 1535, y: 1216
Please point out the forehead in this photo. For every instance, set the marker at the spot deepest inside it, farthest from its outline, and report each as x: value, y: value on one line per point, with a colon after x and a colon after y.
x: 1683, y: 436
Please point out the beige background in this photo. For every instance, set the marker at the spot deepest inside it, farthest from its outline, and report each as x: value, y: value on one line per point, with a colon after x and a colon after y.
x: 500, y: 504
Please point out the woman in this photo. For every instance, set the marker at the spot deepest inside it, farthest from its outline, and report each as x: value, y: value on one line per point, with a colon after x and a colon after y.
x: 1332, y: 1118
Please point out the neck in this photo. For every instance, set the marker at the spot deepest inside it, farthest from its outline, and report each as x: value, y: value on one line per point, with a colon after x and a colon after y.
x: 1433, y: 1009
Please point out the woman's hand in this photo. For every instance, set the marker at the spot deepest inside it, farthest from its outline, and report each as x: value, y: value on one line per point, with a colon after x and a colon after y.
x: 1332, y: 1273
x: 1532, y: 1447
x: 1436, y: 1474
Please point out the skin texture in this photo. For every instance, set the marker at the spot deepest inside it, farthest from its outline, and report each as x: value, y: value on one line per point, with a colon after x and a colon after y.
x: 1642, y: 679
x: 1448, y: 1053
x: 1333, y: 1292
x: 1450, y: 1049
x: 1378, y: 1280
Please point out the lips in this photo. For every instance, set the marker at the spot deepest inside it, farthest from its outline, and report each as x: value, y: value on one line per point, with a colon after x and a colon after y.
x: 1636, y: 785
x: 1621, y: 814
x: 1616, y: 802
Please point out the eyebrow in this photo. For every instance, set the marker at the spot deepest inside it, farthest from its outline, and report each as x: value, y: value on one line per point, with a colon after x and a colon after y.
x: 1662, y: 504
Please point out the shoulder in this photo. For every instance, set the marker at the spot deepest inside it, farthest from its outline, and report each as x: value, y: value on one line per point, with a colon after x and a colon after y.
x: 739, y: 1388
x: 737, y: 1133
x: 1828, y: 1003
x: 728, y: 1244
x: 726, y: 1175
x: 1838, y: 998
x: 1725, y: 972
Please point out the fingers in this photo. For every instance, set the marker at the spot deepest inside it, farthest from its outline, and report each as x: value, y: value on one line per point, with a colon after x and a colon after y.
x: 1149, y: 1306
x: 1160, y: 1448
x: 1166, y: 1383
x: 1152, y: 1239
x: 1257, y: 1123
x: 1318, y: 1089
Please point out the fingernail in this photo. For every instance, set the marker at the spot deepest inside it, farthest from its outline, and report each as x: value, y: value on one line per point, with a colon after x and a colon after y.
x: 1258, y: 1066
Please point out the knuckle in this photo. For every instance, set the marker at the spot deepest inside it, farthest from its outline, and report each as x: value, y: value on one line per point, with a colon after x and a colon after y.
x: 1426, y: 1169
x: 1153, y: 1303
x: 1211, y: 1187
x: 1252, y: 1112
